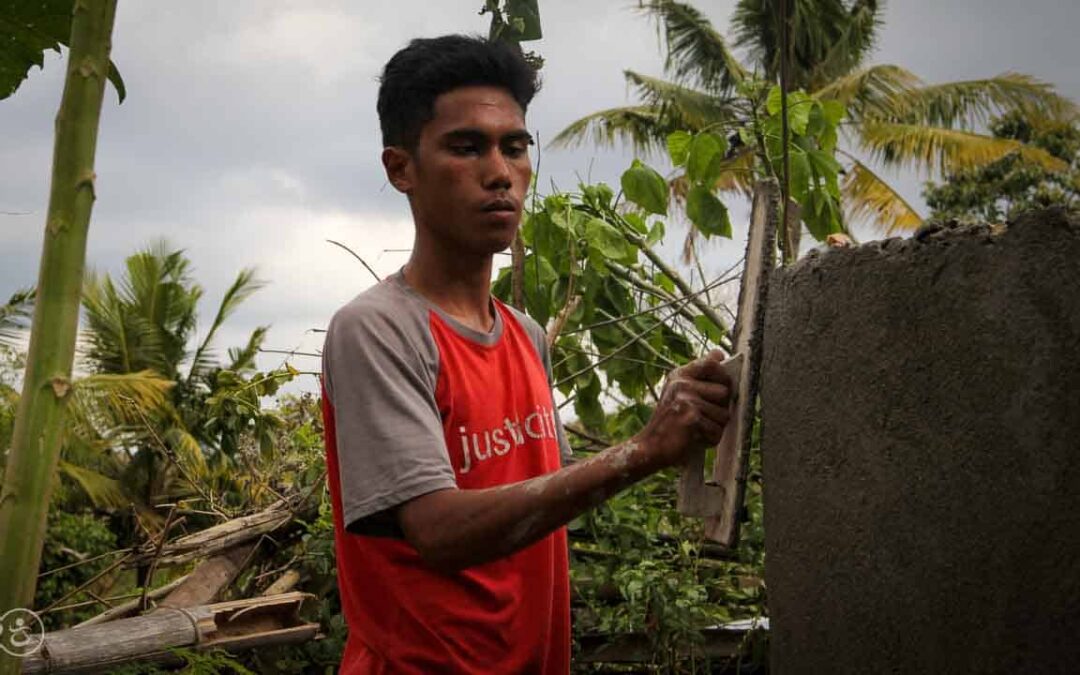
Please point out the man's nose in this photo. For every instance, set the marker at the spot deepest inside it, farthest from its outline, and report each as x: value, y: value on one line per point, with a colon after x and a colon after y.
x: 497, y: 171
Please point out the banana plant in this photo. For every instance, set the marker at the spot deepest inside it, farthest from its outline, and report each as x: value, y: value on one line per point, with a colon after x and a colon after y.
x: 39, y: 423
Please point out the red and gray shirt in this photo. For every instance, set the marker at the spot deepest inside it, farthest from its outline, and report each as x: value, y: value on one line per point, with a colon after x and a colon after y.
x: 414, y: 401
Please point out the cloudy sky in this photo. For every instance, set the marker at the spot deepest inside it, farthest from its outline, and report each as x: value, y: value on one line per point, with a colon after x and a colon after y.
x: 249, y: 134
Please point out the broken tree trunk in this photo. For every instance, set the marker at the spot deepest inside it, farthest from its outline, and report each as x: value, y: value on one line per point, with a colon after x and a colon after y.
x: 207, y: 581
x: 233, y: 626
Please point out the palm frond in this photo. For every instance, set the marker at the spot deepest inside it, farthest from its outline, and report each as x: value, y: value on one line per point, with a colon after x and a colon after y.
x: 737, y: 175
x: 241, y: 289
x: 15, y: 316
x: 103, y: 492
x: 157, y: 290
x: 869, y: 92
x: 123, y: 396
x: 243, y: 358
x: 869, y: 199
x: 187, y: 451
x: 696, y: 52
x: 819, y: 27
x: 850, y: 47
x: 937, y: 149
x: 680, y: 106
x: 642, y: 126
x: 117, y: 338
x: 973, y: 102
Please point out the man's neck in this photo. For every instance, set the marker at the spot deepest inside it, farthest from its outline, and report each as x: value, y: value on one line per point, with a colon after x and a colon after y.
x: 459, y: 285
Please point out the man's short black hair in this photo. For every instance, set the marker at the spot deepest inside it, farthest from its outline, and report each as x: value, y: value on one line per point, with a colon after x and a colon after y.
x: 415, y: 76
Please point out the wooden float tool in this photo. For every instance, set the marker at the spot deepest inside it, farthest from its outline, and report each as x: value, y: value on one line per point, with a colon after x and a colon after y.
x: 719, y: 498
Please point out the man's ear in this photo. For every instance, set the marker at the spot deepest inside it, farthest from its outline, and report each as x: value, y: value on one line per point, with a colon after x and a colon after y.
x: 399, y: 168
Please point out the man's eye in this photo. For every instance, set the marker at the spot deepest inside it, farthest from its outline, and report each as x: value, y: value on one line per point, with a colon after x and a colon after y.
x: 516, y: 150
x: 464, y: 148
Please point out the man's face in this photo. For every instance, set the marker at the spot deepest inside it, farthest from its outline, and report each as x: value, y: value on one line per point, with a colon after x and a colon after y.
x: 469, y: 174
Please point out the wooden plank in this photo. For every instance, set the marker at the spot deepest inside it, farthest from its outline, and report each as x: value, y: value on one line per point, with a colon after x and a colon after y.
x: 719, y: 500
x: 732, y: 456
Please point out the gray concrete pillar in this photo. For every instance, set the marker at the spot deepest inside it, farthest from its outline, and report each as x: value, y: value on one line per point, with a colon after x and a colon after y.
x: 921, y: 444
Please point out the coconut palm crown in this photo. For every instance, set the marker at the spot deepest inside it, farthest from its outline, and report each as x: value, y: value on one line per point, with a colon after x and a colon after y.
x: 893, y: 118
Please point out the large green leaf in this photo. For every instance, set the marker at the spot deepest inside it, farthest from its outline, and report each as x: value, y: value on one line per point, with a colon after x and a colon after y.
x: 799, y: 106
x: 646, y: 188
x: 606, y: 239
x: 539, y: 282
x: 705, y: 159
x: 678, y: 145
x: 29, y: 28
x: 708, y: 213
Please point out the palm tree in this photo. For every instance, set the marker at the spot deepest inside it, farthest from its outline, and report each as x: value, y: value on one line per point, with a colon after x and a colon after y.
x: 892, y: 116
x: 102, y: 413
x: 146, y: 324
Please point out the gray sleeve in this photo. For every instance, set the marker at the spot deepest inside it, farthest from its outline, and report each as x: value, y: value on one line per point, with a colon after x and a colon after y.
x: 381, y: 382
x: 539, y: 340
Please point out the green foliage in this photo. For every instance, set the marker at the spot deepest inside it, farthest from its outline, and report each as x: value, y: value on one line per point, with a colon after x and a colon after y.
x: 12, y: 363
x: 29, y: 28
x: 625, y: 332
x: 640, y: 567
x: 646, y: 188
x: 515, y: 21
x: 314, y: 558
x: 707, y: 212
x: 891, y: 114
x: 211, y: 662
x: 998, y: 191
x: 814, y: 177
x: 147, y: 321
x: 71, y: 538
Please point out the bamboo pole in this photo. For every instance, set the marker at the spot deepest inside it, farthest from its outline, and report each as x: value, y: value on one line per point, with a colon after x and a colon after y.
x: 35, y: 448
x: 232, y: 626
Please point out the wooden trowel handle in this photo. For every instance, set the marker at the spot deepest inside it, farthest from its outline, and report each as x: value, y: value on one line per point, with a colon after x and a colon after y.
x: 698, y: 498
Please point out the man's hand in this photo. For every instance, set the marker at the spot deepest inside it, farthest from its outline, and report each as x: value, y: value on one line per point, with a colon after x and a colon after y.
x: 692, y: 412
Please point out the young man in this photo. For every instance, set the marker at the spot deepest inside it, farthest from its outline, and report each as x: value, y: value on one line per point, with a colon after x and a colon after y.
x: 443, y: 442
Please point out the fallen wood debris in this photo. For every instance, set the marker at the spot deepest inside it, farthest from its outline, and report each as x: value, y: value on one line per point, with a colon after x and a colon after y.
x: 218, y: 538
x: 283, y: 584
x: 206, y: 581
x: 131, y: 606
x: 233, y: 626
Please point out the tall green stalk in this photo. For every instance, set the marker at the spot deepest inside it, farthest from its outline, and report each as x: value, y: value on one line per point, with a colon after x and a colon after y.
x: 39, y: 422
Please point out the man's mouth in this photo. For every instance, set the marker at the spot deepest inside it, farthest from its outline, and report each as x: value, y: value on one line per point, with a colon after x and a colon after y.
x: 499, y: 205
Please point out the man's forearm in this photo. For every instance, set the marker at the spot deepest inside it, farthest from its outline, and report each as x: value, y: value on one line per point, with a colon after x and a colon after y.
x: 455, y: 529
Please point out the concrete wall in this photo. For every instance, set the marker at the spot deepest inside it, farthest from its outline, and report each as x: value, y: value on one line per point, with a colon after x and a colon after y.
x: 921, y: 440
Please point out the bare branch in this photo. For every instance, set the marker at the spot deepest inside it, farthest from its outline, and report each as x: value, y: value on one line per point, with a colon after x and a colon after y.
x: 366, y: 266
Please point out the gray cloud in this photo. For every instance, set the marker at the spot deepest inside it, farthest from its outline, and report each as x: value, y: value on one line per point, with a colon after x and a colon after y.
x: 249, y: 135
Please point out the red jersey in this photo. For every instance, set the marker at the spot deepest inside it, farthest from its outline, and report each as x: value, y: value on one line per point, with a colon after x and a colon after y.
x: 414, y: 402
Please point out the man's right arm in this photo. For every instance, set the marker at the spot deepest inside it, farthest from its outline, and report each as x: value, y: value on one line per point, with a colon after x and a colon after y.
x: 453, y: 529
